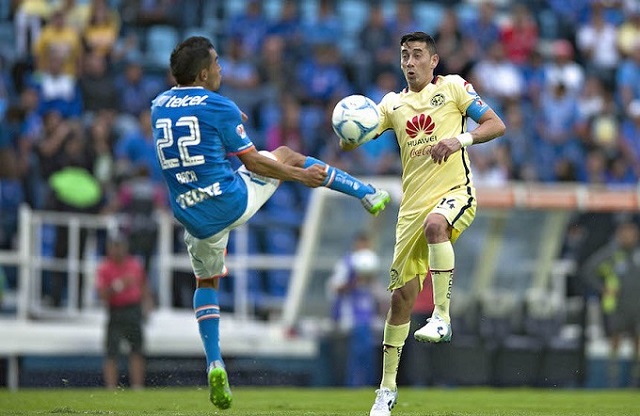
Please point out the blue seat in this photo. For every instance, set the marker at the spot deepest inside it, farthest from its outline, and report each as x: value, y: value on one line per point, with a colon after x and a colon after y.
x: 429, y: 15
x: 160, y: 41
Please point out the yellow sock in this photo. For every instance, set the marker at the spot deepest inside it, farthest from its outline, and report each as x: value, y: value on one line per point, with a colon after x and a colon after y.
x: 393, y: 341
x: 442, y: 262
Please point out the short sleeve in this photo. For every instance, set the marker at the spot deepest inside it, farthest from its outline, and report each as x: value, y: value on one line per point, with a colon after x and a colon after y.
x: 233, y: 133
x: 467, y: 99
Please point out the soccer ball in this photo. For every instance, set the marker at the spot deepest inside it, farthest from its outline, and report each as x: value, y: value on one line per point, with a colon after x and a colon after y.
x: 355, y: 119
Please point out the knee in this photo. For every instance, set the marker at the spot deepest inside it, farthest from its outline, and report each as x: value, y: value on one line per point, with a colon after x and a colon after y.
x: 288, y: 156
x: 436, y: 229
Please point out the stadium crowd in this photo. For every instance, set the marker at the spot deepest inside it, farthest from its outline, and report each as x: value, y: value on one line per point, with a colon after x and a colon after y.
x: 77, y: 79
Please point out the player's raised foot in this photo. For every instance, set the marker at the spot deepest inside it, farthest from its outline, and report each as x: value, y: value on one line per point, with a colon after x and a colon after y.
x: 219, y: 390
x: 385, y: 400
x: 376, y: 202
x: 436, y: 330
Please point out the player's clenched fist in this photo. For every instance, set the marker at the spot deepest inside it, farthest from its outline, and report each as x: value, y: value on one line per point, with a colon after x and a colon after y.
x: 445, y: 148
x: 314, y: 176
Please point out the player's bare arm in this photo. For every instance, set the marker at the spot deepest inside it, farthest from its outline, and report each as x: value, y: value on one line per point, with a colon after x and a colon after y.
x: 490, y: 126
x: 312, y: 176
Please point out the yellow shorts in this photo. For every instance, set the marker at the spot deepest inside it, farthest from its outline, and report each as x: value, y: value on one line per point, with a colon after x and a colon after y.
x: 411, y: 253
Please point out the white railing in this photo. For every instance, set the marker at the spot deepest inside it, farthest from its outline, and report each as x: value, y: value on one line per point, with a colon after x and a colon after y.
x: 80, y: 265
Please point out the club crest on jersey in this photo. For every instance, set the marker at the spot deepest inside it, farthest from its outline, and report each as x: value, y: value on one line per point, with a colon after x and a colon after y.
x: 240, y: 131
x: 437, y: 100
x: 420, y: 123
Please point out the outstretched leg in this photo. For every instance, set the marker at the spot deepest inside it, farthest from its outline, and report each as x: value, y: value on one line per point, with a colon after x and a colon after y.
x: 374, y: 200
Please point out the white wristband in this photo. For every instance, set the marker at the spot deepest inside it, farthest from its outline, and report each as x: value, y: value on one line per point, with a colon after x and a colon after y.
x: 465, y: 139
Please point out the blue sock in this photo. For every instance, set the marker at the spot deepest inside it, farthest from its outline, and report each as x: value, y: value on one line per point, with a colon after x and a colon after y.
x: 341, y: 181
x: 205, y: 305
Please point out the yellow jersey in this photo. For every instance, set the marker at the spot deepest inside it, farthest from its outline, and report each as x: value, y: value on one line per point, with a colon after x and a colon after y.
x: 420, y: 120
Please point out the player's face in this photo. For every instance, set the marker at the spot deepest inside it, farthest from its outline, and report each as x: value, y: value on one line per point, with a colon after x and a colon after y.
x: 417, y: 64
x: 213, y: 75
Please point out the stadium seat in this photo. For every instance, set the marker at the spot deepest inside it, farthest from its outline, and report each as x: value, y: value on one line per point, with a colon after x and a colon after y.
x: 429, y: 15
x: 207, y: 31
x: 354, y: 15
x: 466, y: 13
x: 160, y: 41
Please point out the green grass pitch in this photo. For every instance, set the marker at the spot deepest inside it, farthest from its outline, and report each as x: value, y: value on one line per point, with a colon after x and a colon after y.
x: 267, y: 401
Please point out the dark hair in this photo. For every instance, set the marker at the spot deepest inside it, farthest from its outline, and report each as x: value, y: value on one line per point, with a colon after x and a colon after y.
x: 420, y: 37
x: 189, y: 58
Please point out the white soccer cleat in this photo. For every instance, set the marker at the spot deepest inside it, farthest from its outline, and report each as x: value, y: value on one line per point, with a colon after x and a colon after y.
x: 376, y: 202
x: 385, y: 400
x: 436, y: 330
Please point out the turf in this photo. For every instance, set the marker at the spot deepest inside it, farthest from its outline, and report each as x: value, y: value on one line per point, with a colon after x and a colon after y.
x: 320, y: 402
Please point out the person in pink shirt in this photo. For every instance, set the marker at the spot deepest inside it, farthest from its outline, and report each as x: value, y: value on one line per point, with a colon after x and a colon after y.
x: 122, y: 285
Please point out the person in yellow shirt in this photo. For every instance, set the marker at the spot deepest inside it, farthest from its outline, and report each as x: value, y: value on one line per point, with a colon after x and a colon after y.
x: 101, y: 32
x: 438, y: 202
x: 60, y: 39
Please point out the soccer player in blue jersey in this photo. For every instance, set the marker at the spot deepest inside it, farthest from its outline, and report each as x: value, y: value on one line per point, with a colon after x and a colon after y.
x: 195, y: 130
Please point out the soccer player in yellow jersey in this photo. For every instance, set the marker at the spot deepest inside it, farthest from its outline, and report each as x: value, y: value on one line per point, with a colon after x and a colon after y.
x: 438, y: 202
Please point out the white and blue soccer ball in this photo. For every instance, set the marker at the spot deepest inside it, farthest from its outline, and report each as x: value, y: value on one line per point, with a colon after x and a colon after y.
x: 355, y: 119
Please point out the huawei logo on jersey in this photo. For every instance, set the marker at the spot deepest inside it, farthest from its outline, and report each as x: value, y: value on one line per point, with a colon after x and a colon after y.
x: 418, y: 124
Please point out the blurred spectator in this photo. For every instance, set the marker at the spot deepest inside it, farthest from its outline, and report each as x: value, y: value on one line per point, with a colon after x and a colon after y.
x: 145, y: 13
x: 320, y: 77
x: 591, y: 101
x: 519, y: 140
x: 102, y: 29
x: 11, y: 193
x: 628, y: 78
x: 288, y: 131
x: 597, y: 44
x: 556, y: 130
x: 137, y: 197
x: 28, y: 20
x: 275, y: 74
x: 533, y: 75
x: 66, y: 161
x: 563, y: 68
x: 288, y: 25
x: 137, y: 149
x: 31, y: 131
x: 77, y: 13
x: 101, y: 138
x: 613, y: 272
x: 60, y: 41
x: 403, y: 20
x: 380, y: 156
x: 354, y: 288
x: 630, y: 137
x: 57, y: 90
x: 629, y: 31
x: 453, y: 49
x: 494, y: 65
x: 250, y: 27
x: 519, y: 36
x: 136, y: 88
x: 326, y: 26
x: 483, y: 30
x: 240, y: 78
x: 122, y: 285
x: 377, y: 47
x: 97, y: 85
x: 487, y: 167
